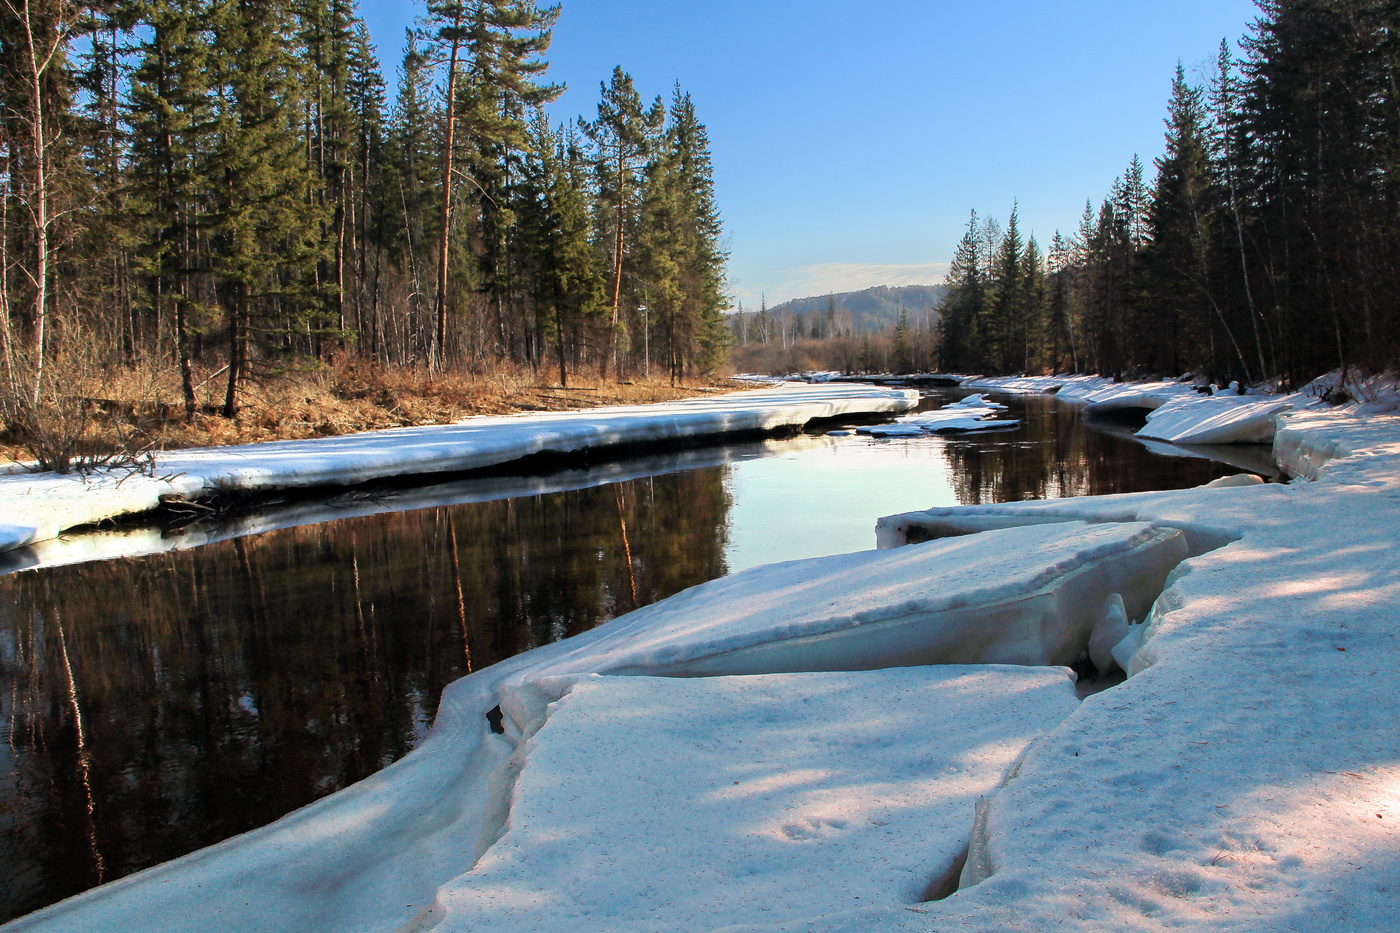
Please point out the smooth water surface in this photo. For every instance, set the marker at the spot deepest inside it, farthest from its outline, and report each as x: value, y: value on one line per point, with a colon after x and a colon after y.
x: 153, y: 705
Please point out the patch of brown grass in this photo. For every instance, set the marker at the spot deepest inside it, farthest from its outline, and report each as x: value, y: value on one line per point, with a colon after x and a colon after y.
x: 134, y: 409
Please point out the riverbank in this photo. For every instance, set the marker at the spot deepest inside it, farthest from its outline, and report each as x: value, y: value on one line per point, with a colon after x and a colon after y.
x: 38, y: 507
x: 1243, y: 777
x: 111, y: 411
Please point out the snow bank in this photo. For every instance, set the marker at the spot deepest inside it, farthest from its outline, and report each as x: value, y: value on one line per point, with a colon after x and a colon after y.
x: 778, y: 797
x: 38, y: 507
x: 1221, y: 419
x: 358, y: 860
x: 1022, y: 596
x: 1177, y: 412
x: 1245, y: 777
x: 336, y: 504
x: 970, y: 414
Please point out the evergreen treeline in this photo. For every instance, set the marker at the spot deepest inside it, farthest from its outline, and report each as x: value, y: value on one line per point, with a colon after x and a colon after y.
x: 1267, y: 248
x: 221, y: 186
x: 880, y: 329
x: 781, y: 340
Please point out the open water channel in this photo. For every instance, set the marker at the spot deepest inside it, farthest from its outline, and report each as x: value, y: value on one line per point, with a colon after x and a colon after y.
x: 157, y: 704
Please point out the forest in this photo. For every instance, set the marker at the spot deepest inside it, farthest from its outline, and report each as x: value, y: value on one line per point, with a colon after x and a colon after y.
x: 1266, y: 249
x: 880, y: 329
x: 205, y: 194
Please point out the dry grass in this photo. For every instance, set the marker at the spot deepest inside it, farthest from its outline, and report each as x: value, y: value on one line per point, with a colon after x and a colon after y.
x: 132, y: 410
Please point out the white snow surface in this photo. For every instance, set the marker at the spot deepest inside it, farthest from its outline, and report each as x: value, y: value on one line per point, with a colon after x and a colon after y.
x: 1177, y: 412
x: 1245, y: 777
x: 36, y: 507
x: 800, y: 795
x: 336, y: 504
x: 970, y: 414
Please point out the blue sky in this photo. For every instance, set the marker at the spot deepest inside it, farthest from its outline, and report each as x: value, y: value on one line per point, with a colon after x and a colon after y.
x: 850, y: 140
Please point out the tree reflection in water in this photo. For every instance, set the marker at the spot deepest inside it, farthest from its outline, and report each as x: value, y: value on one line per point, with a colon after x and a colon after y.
x: 156, y: 705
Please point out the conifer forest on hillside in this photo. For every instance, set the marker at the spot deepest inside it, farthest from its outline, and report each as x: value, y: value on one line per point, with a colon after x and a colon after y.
x: 210, y: 193
x: 1266, y: 250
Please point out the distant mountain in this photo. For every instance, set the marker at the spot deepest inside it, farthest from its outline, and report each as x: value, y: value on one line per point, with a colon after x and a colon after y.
x: 872, y: 309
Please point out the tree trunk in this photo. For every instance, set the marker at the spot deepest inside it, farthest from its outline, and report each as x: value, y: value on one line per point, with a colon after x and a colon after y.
x: 237, y: 350
x: 40, y: 193
x: 440, y: 337
x: 611, y: 352
x: 182, y: 351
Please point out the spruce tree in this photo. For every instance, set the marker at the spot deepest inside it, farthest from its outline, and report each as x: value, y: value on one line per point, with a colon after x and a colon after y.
x: 553, y: 238
x: 702, y: 269
x: 171, y: 123
x: 999, y: 336
x: 1059, y: 337
x: 623, y: 136
x: 266, y: 244
x: 1030, y: 334
x: 1179, y: 305
x: 964, y: 302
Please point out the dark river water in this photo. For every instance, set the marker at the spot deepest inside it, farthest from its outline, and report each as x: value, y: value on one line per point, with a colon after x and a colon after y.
x: 153, y: 705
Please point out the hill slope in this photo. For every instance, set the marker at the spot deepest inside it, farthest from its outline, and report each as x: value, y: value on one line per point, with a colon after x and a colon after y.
x: 871, y: 309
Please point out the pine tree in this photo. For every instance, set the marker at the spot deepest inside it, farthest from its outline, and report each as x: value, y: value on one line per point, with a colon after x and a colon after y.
x: 623, y: 136
x: 964, y: 303
x: 491, y: 48
x: 999, y: 337
x: 265, y: 233
x: 36, y: 89
x: 554, y: 240
x: 1318, y: 105
x: 171, y: 124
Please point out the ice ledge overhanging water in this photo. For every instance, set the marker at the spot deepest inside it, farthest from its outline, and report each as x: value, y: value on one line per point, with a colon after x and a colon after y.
x: 38, y: 507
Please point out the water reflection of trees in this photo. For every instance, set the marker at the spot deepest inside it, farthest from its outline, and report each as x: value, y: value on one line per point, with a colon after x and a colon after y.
x: 1056, y: 454
x: 156, y: 705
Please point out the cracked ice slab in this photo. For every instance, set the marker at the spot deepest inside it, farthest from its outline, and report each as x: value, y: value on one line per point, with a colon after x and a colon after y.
x: 1017, y: 596
x: 683, y: 804
x: 368, y: 858
x: 1240, y: 419
x: 36, y: 507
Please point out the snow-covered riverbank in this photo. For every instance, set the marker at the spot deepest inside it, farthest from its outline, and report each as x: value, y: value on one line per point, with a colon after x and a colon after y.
x: 38, y: 507
x: 1245, y: 777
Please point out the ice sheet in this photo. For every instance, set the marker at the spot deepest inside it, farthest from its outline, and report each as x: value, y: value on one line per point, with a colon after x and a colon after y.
x: 1020, y: 596
x: 36, y: 507
x: 1225, y: 419
x: 370, y: 857
x: 650, y: 803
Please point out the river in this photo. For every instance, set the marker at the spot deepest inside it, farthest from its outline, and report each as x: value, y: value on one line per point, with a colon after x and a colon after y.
x: 153, y: 705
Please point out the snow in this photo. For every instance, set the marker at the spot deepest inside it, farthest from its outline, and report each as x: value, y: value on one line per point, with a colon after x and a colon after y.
x: 1176, y: 411
x: 802, y: 794
x: 335, y: 504
x: 36, y: 507
x: 1222, y: 419
x: 973, y: 413
x: 1245, y: 777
